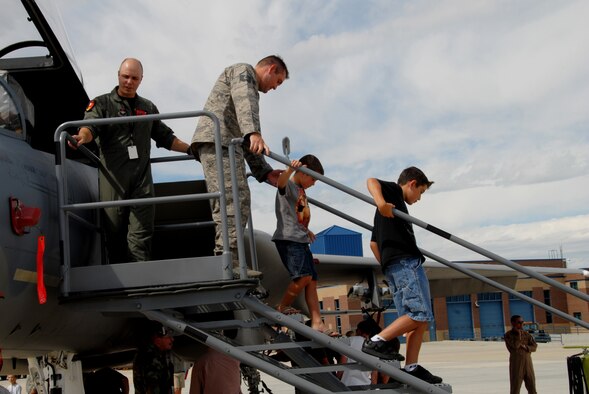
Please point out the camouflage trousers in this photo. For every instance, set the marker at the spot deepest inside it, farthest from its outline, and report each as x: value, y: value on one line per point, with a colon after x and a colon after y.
x: 209, y: 164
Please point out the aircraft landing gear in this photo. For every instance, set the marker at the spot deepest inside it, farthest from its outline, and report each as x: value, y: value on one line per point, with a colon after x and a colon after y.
x: 56, y: 373
x: 251, y: 377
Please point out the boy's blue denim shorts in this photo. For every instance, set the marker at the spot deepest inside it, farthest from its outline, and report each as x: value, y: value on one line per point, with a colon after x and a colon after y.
x: 410, y: 288
x: 297, y: 258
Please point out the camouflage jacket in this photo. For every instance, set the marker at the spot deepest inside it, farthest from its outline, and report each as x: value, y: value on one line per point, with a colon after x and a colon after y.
x: 235, y: 101
x: 153, y: 372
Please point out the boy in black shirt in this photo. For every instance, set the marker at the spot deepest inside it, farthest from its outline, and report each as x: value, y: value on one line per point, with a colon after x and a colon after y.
x: 394, y: 246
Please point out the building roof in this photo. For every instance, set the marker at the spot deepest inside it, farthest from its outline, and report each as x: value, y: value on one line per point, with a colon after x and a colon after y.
x: 336, y: 230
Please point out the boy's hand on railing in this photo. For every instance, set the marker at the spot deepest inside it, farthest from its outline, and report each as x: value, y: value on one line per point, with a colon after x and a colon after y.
x: 293, y: 165
x: 386, y: 210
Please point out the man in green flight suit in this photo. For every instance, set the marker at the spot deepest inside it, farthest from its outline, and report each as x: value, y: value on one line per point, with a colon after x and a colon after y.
x: 125, y: 153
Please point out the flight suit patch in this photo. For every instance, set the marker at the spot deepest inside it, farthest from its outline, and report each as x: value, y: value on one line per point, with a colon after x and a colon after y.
x: 90, y: 105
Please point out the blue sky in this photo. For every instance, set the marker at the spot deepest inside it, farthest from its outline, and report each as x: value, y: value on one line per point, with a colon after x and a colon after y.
x: 489, y: 98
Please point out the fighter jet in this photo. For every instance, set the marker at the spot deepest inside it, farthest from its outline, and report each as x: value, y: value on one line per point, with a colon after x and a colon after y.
x: 63, y: 310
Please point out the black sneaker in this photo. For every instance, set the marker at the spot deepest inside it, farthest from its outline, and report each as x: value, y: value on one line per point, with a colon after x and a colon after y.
x: 382, y: 349
x: 423, y: 374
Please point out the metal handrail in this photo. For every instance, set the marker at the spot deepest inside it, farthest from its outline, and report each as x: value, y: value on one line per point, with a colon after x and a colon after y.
x: 464, y: 270
x: 94, y: 159
x: 506, y: 289
x: 60, y: 137
x: 450, y: 237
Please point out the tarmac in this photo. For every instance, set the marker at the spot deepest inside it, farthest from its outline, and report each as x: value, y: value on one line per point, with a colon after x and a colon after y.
x: 480, y: 367
x: 468, y: 366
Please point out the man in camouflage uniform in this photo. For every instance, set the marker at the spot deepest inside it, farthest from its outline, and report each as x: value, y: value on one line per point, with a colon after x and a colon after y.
x: 153, y: 371
x: 520, y: 345
x: 235, y: 101
x: 125, y: 153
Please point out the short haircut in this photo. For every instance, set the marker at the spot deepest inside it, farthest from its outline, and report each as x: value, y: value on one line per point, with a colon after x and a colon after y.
x: 277, y: 61
x: 514, y: 318
x: 312, y: 163
x: 133, y: 59
x: 414, y: 173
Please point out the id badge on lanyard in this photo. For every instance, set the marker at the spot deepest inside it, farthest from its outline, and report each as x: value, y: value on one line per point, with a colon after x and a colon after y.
x: 133, y: 154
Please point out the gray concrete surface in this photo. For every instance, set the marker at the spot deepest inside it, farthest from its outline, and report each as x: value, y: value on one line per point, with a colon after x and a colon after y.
x: 481, y: 367
x: 470, y: 367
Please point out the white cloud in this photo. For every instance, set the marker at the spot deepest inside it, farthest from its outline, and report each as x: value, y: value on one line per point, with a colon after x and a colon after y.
x: 487, y: 97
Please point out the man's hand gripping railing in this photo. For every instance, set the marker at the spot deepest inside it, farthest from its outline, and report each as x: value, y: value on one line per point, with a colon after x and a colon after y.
x: 94, y: 159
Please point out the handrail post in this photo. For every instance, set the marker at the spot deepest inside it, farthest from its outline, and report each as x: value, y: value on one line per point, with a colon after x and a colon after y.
x: 237, y: 209
x: 62, y: 196
x: 253, y: 251
x: 226, y: 256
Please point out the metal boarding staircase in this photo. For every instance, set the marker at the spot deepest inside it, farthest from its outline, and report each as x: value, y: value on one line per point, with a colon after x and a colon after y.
x: 179, y: 296
x: 170, y: 291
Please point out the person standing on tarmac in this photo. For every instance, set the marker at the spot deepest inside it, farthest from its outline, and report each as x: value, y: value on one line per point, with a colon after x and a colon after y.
x: 125, y: 153
x: 153, y: 371
x: 520, y: 345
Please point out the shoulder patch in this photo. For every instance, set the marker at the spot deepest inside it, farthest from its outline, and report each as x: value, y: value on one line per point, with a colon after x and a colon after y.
x: 90, y: 105
x: 245, y: 77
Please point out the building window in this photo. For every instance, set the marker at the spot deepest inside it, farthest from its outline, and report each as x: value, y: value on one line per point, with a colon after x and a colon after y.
x: 548, y: 302
x: 577, y: 315
x: 526, y: 293
x: 495, y: 296
x: 575, y: 285
x: 336, y: 305
x: 547, y: 297
x: 320, y: 305
x: 338, y: 324
x: 460, y: 298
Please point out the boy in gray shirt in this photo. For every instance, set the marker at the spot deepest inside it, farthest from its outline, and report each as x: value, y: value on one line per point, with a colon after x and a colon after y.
x: 292, y: 237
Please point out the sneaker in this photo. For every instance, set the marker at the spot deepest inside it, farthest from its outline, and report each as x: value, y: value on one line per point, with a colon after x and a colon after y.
x: 381, y: 349
x: 423, y: 374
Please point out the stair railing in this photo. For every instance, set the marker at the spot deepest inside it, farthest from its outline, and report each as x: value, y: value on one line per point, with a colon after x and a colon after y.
x: 576, y: 293
x: 66, y: 210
